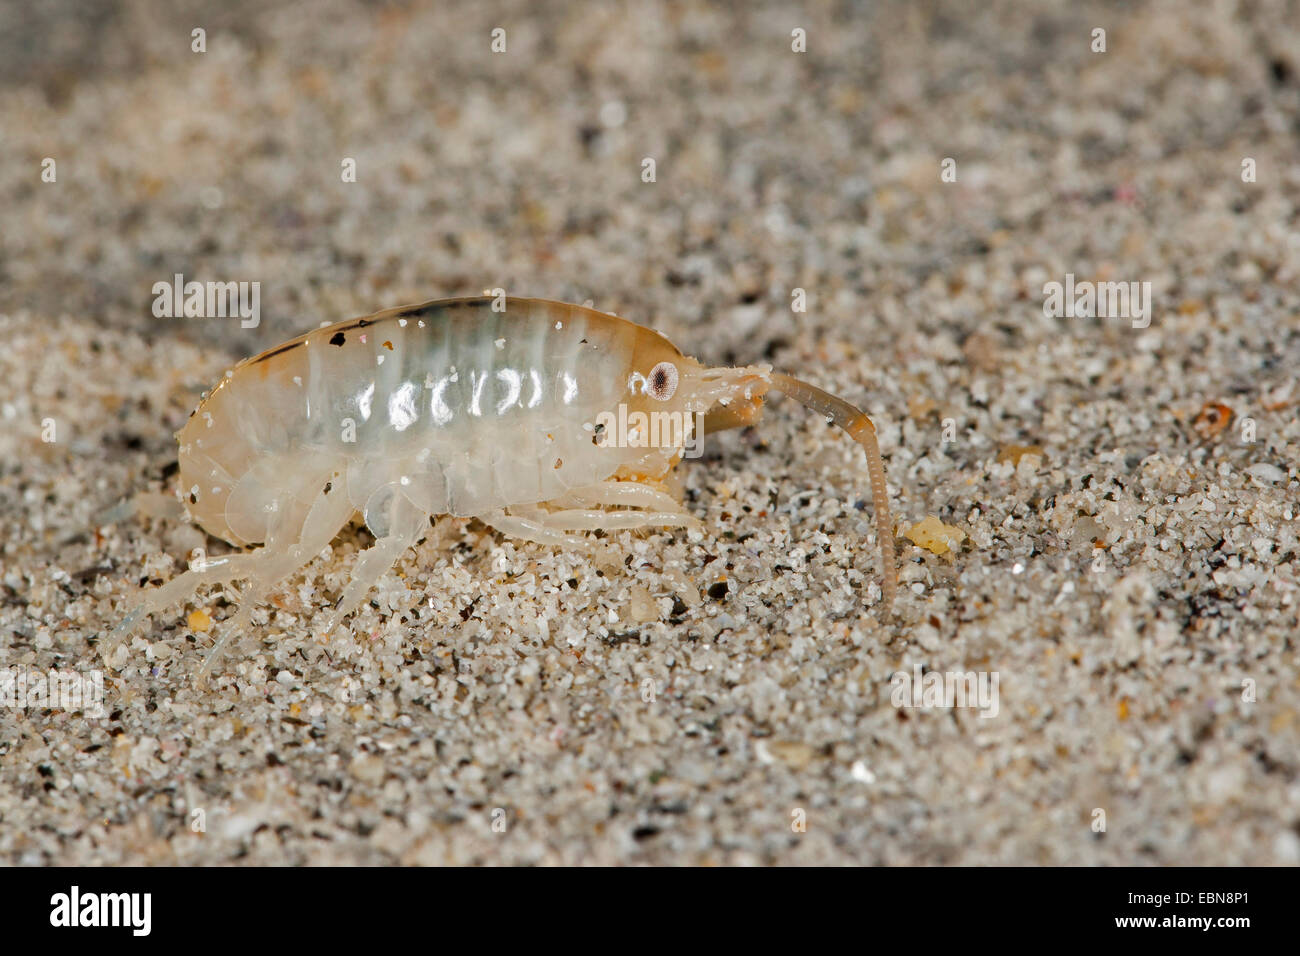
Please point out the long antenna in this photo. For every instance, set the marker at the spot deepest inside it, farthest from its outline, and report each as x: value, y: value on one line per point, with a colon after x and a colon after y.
x: 860, y: 428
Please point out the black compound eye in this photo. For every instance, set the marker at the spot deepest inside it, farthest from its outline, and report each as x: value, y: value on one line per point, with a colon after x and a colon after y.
x: 662, y: 381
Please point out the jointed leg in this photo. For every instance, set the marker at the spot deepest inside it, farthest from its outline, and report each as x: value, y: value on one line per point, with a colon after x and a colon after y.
x: 633, y: 494
x: 533, y: 527
x: 214, y: 571
x: 406, y: 526
x: 328, y: 514
x: 584, y: 509
x: 578, y: 519
x: 661, y: 508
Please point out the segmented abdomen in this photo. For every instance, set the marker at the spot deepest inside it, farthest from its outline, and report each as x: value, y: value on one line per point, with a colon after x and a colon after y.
x: 467, y: 409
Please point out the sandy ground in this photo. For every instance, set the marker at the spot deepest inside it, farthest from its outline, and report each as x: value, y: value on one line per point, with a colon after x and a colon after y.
x: 1126, y: 497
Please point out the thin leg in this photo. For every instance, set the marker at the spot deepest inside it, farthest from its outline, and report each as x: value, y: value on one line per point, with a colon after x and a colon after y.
x: 222, y: 570
x: 633, y: 494
x: 328, y: 514
x: 533, y: 527
x: 596, y: 520
x: 407, y: 525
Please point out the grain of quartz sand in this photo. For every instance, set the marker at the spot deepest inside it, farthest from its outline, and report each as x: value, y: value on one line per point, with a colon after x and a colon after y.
x: 1123, y: 576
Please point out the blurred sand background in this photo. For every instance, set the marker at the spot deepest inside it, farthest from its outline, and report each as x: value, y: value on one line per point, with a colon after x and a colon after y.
x: 1129, y: 565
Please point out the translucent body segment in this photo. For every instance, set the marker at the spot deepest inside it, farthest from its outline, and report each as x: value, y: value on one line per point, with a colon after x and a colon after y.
x: 475, y: 408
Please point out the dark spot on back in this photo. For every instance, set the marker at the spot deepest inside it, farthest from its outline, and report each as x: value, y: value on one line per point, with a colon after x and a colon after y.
x: 337, y: 338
